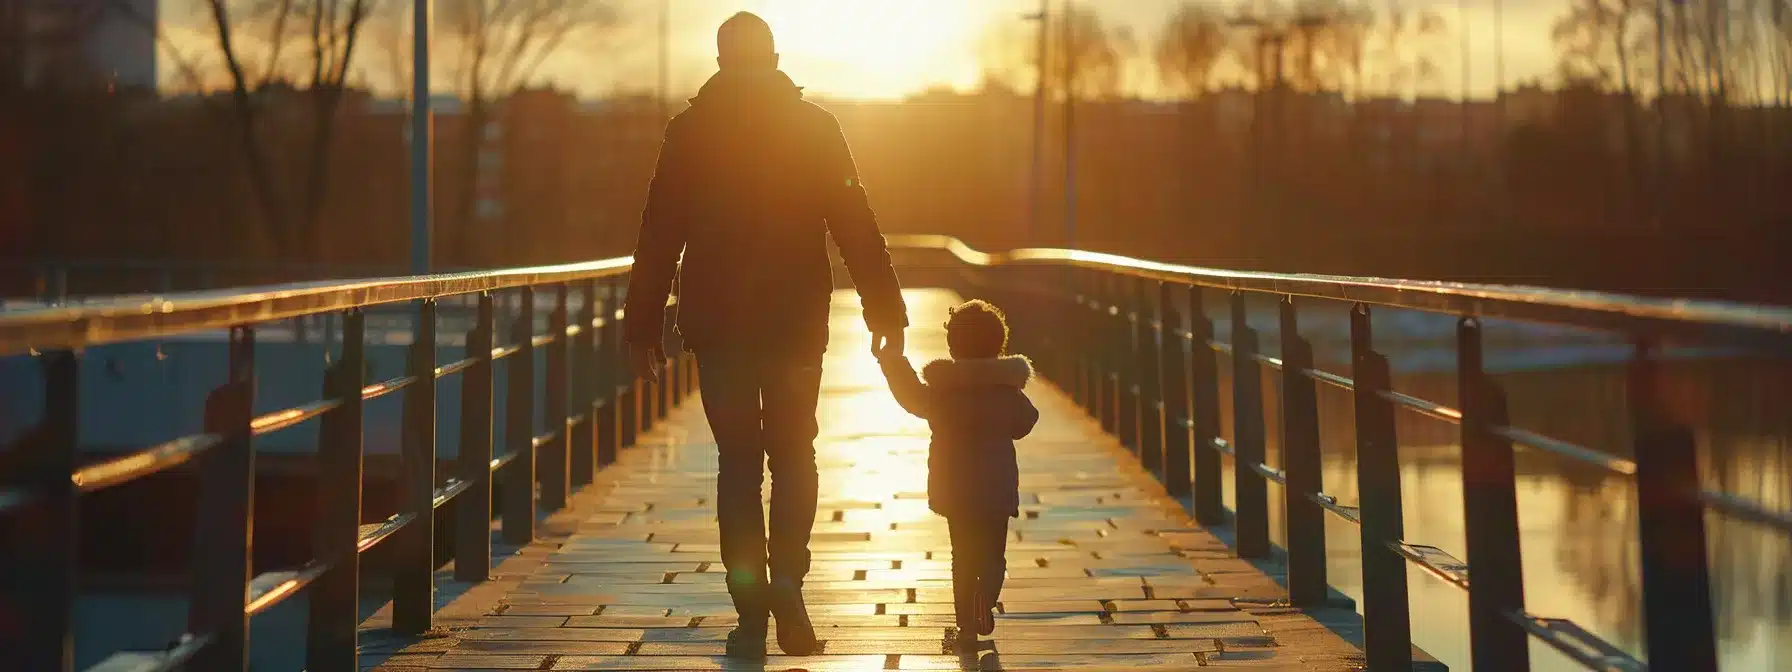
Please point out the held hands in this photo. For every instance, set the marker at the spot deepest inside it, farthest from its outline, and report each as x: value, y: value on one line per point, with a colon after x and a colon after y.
x: 886, y: 344
x: 646, y: 360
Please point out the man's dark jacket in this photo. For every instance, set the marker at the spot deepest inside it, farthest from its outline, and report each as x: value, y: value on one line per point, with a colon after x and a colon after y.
x: 751, y: 181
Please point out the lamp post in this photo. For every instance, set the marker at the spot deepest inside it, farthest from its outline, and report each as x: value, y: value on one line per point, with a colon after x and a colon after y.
x: 1272, y: 40
x: 665, y: 59
x: 422, y: 139
x: 1037, y: 176
x: 1070, y: 50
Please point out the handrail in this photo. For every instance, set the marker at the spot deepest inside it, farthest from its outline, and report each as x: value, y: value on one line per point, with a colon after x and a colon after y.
x: 135, y: 318
x: 90, y: 323
x: 1677, y: 317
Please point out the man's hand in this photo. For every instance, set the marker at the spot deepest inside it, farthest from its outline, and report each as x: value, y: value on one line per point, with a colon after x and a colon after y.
x: 886, y: 344
x: 646, y: 360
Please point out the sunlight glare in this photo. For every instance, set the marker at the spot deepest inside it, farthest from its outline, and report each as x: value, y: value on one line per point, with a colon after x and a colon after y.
x: 878, y: 50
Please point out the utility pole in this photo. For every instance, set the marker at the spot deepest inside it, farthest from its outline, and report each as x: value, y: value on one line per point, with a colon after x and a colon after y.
x: 1037, y: 179
x: 422, y: 140
x: 1069, y: 126
x: 665, y: 59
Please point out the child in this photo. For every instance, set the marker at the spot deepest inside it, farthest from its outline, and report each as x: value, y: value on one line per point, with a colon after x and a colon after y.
x: 974, y: 406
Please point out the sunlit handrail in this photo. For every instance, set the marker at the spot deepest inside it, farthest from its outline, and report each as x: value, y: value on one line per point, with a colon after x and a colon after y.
x: 138, y: 317
x: 1677, y: 317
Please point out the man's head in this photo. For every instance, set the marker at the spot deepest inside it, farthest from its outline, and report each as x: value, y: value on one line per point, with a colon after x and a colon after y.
x: 744, y: 42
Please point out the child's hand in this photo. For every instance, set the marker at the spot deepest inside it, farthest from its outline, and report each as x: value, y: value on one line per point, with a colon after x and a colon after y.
x: 890, y: 350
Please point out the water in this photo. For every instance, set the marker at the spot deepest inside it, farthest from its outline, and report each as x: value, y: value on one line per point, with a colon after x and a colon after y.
x: 1578, y: 526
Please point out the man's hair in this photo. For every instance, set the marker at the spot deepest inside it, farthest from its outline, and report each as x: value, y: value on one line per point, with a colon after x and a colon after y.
x: 976, y: 330
x: 744, y: 39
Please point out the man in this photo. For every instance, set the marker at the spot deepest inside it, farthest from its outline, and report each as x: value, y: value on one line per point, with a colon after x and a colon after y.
x: 751, y: 181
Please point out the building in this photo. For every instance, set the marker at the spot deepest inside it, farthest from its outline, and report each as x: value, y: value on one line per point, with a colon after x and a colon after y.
x: 79, y: 43
x: 122, y: 45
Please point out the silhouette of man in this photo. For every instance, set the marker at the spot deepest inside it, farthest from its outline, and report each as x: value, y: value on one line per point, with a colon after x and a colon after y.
x: 751, y: 181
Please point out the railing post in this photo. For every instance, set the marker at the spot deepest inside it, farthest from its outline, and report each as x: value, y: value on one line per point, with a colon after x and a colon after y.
x: 334, y: 601
x: 519, y: 424
x: 629, y: 405
x: 1146, y: 333
x: 1107, y: 374
x: 1386, y: 618
x: 223, y: 539
x: 583, y: 443
x: 1087, y: 344
x: 1123, y: 346
x: 1677, y: 625
x: 1173, y: 389
x: 1250, y: 488
x: 611, y: 369
x: 39, y: 552
x: 1205, y: 383
x: 473, y: 508
x: 1301, y: 462
x: 1490, y: 514
x: 551, y: 462
x: 662, y: 394
x: 1077, y: 347
x: 413, y: 580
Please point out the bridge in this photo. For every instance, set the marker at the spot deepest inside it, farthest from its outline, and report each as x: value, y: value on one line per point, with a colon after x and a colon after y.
x: 550, y: 512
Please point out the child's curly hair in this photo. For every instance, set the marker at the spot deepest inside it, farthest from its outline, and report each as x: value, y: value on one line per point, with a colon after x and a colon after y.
x: 976, y: 329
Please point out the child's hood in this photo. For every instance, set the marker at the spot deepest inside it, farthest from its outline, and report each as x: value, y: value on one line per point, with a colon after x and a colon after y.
x: 1010, y: 370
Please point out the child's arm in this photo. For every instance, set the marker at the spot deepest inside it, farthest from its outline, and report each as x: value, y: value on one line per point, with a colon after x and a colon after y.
x: 907, y: 387
x: 1025, y: 417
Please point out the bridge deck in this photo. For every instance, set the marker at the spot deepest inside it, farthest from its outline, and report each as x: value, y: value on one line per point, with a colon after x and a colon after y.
x: 1105, y: 571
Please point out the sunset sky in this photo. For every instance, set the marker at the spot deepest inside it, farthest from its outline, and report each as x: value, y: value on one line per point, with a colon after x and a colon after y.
x: 870, y: 49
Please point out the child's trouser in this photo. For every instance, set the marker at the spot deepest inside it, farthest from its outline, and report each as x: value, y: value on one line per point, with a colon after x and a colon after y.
x: 979, y: 562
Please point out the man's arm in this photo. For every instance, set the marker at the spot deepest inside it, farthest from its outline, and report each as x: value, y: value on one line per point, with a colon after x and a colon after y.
x: 854, y: 228
x: 664, y: 223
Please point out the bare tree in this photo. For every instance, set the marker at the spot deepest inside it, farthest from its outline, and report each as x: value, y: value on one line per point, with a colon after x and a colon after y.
x: 254, y: 38
x: 1402, y: 48
x: 1191, y: 45
x: 1083, y: 47
x: 495, y: 47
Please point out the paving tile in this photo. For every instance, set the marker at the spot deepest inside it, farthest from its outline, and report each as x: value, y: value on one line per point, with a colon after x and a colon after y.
x: 475, y: 646
x: 453, y: 661
x: 549, y: 610
x: 1103, y: 646
x: 522, y: 621
x: 628, y: 621
x: 553, y: 634
x: 862, y: 663
x: 1182, y: 617
x: 1057, y: 607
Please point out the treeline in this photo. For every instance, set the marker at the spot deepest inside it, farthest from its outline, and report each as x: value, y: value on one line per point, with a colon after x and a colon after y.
x: 1303, y: 153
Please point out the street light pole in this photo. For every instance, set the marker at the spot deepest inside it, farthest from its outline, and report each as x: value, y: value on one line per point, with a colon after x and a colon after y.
x: 1069, y: 127
x: 665, y: 59
x: 422, y: 140
x: 1037, y: 179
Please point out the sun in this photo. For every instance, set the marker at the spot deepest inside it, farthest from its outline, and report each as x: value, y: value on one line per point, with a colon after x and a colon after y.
x: 877, y: 49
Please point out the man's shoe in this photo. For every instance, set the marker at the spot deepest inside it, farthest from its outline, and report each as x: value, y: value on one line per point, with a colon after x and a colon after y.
x: 796, y: 635
x: 746, y: 643
x: 747, y: 640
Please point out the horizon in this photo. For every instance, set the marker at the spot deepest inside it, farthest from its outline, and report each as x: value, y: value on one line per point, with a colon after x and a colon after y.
x: 885, y: 52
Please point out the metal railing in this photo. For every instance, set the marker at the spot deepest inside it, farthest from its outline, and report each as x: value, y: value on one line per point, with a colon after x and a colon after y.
x: 592, y: 407
x: 1131, y: 340
x: 1113, y: 333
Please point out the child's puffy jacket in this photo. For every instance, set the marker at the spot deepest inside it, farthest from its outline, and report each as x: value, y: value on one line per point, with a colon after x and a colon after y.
x: 976, y: 410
